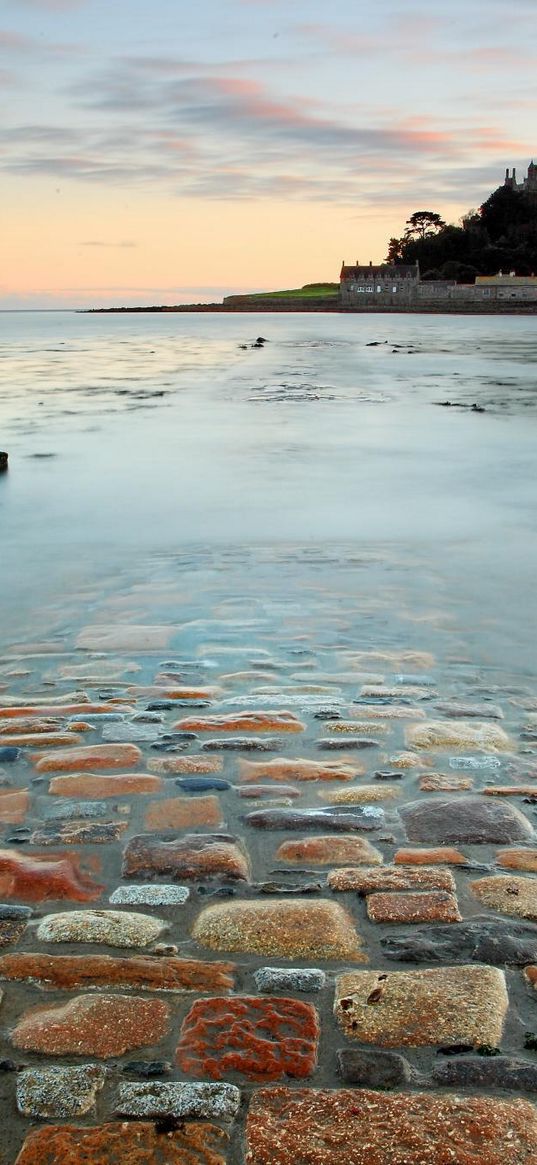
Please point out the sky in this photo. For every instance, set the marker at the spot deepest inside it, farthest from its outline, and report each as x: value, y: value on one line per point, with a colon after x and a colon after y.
x: 181, y: 150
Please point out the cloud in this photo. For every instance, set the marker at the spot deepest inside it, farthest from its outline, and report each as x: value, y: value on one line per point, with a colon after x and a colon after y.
x: 201, y: 130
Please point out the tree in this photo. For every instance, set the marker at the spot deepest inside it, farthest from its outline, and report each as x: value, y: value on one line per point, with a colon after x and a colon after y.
x: 423, y: 223
x: 394, y: 251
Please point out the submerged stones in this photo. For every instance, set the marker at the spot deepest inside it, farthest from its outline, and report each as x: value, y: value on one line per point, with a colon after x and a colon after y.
x: 450, y: 1005
x: 391, y: 878
x: 293, y: 929
x: 483, y: 940
x: 369, y: 1069
x: 186, y: 764
x: 195, y: 856
x: 470, y: 820
x: 59, y: 1092
x: 329, y: 851
x: 38, y: 878
x: 259, y: 1038
x: 432, y: 906
x: 82, y: 785
x: 14, y: 804
x: 93, y: 1025
x: 271, y: 979
x: 505, y: 1072
x: 337, y: 821
x: 508, y: 895
x: 180, y: 1100
x: 242, y: 722
x: 346, y: 1127
x: 96, y: 756
x: 139, y: 971
x: 152, y: 895
x: 183, y: 813
x: 13, y: 923
x: 126, y: 1144
x: 442, y: 734
x: 298, y: 770
x: 114, y: 928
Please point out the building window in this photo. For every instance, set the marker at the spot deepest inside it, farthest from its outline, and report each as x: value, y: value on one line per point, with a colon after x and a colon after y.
x: 370, y: 287
x: 394, y: 289
x: 360, y: 290
x: 379, y: 288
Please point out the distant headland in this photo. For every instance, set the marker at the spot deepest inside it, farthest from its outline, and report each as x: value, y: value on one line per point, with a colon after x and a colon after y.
x: 484, y: 265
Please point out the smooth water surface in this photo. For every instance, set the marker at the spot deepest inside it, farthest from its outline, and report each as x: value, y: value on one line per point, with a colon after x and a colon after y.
x: 137, y: 435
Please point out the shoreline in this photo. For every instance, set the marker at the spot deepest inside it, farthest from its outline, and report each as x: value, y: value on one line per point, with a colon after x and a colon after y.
x: 287, y: 309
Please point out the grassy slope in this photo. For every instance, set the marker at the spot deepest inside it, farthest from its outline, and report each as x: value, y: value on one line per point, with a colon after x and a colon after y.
x: 310, y: 291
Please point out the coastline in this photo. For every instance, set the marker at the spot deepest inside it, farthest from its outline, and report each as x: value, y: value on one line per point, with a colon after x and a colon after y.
x: 376, y: 309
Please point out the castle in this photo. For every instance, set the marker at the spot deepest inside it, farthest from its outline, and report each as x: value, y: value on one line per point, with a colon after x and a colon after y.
x: 528, y: 184
x: 399, y: 285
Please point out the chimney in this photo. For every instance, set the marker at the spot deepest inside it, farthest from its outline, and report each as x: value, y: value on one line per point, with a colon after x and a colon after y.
x: 370, y: 262
x: 357, y: 263
x: 507, y: 174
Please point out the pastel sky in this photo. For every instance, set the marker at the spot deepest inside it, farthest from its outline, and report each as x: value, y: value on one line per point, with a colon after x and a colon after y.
x: 183, y: 149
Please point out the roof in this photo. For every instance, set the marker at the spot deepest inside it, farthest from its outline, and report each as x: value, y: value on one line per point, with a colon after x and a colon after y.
x: 381, y: 271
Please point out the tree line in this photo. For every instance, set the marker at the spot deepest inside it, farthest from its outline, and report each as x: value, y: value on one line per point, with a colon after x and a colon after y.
x: 500, y: 236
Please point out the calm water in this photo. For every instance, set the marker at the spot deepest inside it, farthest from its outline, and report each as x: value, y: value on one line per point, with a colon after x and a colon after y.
x: 136, y: 437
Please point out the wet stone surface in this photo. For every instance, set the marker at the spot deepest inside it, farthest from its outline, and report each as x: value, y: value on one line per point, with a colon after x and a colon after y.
x: 266, y: 825
x: 59, y: 1093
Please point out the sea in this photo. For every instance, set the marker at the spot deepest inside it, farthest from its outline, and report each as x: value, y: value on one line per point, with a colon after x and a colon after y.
x: 274, y: 548
x: 134, y: 438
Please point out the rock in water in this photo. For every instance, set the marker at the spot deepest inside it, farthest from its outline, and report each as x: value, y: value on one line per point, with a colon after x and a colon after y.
x: 470, y: 820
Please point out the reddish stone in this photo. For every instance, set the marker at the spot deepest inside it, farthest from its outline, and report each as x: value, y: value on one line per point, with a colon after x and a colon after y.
x: 510, y: 791
x: 517, y: 859
x: 14, y: 805
x: 144, y: 972
x: 531, y: 976
x: 82, y: 785
x: 93, y: 1025
x: 298, y: 770
x: 128, y: 1143
x: 167, y: 691
x: 39, y: 710
x: 41, y: 877
x: 390, y: 878
x: 183, y: 813
x: 45, y: 740
x: 96, y: 756
x: 358, y: 1127
x: 445, y: 783
x: 437, y: 856
x: 263, y: 1039
x: 435, y: 906
x: 242, y: 722
x: 323, y: 851
x: 193, y: 856
x: 186, y: 764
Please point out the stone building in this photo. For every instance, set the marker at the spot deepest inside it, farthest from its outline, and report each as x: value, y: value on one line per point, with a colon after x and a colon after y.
x: 382, y: 284
x: 528, y: 184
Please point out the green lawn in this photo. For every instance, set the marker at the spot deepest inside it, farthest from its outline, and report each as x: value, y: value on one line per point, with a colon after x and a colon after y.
x: 310, y: 291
